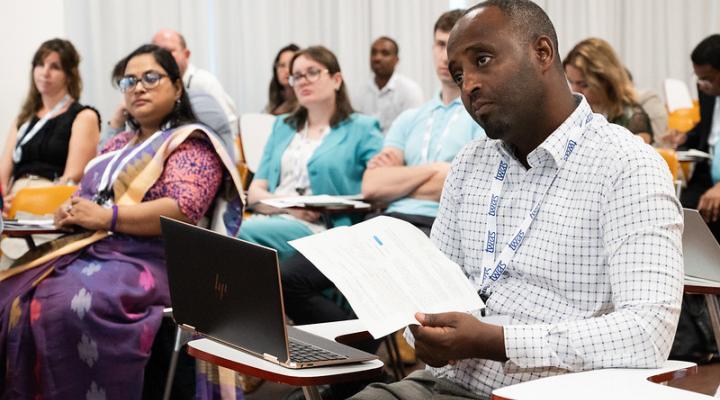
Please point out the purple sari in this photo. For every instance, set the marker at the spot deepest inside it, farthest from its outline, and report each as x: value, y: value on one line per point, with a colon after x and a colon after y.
x: 81, y: 325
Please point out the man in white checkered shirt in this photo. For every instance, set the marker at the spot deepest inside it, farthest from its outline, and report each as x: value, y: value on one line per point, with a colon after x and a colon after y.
x: 596, y: 279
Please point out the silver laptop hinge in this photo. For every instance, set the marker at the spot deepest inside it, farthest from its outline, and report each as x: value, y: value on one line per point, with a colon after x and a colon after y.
x: 187, y: 327
x: 270, y: 357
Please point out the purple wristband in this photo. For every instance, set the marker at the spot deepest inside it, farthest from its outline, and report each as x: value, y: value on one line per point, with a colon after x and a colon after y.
x: 113, y: 221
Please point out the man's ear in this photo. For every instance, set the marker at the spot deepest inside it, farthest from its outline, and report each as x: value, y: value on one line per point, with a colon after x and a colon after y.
x: 544, y: 51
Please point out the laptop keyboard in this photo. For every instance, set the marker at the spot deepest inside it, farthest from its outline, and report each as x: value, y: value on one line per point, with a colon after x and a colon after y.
x: 304, y: 352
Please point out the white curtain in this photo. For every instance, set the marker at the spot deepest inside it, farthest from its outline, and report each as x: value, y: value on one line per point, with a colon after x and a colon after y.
x: 238, y: 39
x: 654, y: 38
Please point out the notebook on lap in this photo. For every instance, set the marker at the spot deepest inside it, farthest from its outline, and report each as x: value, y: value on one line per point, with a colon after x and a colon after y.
x: 230, y: 291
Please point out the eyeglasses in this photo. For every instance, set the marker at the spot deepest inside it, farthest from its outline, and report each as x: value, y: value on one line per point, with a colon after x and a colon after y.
x: 312, y: 75
x: 149, y: 80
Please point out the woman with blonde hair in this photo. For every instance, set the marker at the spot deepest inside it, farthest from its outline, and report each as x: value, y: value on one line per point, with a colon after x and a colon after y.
x: 594, y: 70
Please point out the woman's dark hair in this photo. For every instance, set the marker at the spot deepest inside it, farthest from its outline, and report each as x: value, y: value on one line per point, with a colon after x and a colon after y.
x: 343, y: 108
x: 276, y: 92
x: 182, y: 113
x: 69, y: 60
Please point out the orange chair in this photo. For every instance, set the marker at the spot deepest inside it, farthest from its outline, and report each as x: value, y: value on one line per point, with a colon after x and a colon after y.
x: 40, y: 200
x: 695, y: 114
x: 671, y: 158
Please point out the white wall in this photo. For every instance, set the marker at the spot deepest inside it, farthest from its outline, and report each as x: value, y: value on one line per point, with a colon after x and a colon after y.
x: 24, y: 25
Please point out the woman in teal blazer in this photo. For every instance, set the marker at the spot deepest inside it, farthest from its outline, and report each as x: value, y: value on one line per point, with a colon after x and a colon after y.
x: 321, y: 148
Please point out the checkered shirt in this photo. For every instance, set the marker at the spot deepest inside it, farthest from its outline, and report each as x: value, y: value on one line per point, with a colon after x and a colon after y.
x: 598, y: 280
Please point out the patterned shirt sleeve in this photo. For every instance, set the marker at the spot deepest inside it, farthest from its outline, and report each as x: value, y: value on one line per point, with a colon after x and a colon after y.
x: 641, y: 224
x: 192, y: 176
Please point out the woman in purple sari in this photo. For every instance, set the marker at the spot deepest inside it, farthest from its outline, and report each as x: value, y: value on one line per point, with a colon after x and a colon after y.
x: 78, y: 320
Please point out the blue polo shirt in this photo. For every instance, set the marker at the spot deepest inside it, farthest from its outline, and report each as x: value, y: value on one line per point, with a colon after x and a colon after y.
x: 450, y: 128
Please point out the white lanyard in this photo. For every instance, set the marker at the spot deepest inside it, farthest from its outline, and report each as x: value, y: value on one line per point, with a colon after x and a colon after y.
x: 115, y: 166
x: 425, y: 152
x: 24, y: 136
x: 492, y: 268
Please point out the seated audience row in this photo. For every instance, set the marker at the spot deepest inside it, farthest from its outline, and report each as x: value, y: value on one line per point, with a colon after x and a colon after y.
x: 92, y: 301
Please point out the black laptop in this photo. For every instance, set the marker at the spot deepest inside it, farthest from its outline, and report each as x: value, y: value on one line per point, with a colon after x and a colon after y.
x: 230, y: 291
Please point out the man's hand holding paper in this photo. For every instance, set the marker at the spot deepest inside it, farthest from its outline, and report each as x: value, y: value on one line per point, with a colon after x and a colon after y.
x: 446, y: 337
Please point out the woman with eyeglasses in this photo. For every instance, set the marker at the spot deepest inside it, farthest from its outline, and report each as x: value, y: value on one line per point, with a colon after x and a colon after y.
x: 321, y: 148
x: 80, y: 316
x: 595, y: 71
x: 53, y: 136
x: 281, y: 94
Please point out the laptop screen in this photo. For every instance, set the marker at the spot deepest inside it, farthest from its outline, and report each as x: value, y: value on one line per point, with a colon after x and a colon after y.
x: 225, y: 288
x: 701, y: 251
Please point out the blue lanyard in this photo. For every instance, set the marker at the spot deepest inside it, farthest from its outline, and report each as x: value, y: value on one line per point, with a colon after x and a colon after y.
x: 492, y: 267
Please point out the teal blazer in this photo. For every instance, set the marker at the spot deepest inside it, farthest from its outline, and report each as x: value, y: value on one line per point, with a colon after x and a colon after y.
x: 337, y: 165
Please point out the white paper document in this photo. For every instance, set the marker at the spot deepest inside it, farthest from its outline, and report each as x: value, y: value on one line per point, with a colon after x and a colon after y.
x: 322, y: 200
x: 388, y: 270
x: 692, y: 155
x: 44, y: 223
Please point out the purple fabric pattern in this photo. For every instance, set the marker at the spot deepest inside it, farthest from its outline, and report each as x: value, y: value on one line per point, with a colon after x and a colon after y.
x: 85, y: 331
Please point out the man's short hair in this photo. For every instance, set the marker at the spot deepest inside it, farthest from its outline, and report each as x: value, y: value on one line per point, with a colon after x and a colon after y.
x: 707, y: 52
x: 447, y: 20
x: 529, y: 21
x: 392, y: 41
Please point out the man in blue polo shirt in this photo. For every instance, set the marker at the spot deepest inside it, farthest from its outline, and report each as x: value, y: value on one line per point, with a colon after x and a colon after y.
x: 408, y: 174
